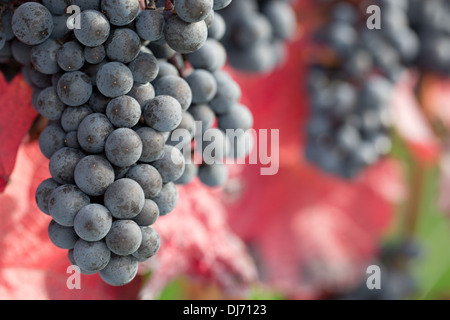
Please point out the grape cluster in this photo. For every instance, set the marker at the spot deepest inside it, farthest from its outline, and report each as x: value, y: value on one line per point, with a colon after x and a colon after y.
x: 256, y: 33
x: 115, y: 92
x: 411, y: 35
x: 348, y: 128
x: 430, y: 22
x: 396, y: 282
x: 349, y: 124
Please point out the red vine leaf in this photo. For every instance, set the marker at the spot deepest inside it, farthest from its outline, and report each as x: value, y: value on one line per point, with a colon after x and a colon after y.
x: 16, y: 117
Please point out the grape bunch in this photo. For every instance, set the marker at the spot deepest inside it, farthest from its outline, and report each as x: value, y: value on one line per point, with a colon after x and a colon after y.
x: 348, y: 128
x: 396, y: 281
x: 430, y: 22
x: 349, y: 124
x: 116, y: 90
x: 257, y: 31
x: 412, y: 35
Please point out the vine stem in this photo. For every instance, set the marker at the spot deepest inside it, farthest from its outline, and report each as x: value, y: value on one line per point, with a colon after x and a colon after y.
x: 412, y: 211
x: 416, y: 183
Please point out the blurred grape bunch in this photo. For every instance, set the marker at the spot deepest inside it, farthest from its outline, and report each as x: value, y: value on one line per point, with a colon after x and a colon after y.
x: 257, y: 31
x: 409, y: 53
x: 414, y: 38
x: 351, y: 83
x: 396, y: 283
x: 310, y: 233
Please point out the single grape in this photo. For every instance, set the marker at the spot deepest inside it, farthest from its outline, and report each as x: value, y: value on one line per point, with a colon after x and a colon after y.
x: 281, y: 17
x: 62, y: 165
x: 142, y: 93
x: 60, y: 29
x: 91, y: 256
x: 95, y: 28
x: 123, y: 45
x: 51, y: 140
x: 203, y: 86
x: 93, y: 131
x: 220, y: 4
x: 94, y: 174
x: 98, y: 101
x: 124, y: 198
x: 185, y: 37
x: 150, y: 24
x: 193, y: 10
x: 149, y: 214
x: 71, y: 140
x: 49, y: 105
x: 114, y: 79
x: 94, y: 55
x: 38, y: 79
x: 204, y: 114
x: 20, y: 51
x: 120, y: 270
x: 43, y: 193
x: 123, y: 111
x: 65, y: 202
x: 72, y: 117
x: 32, y: 23
x: 44, y: 57
x: 211, y: 56
x: 73, y: 263
x: 124, y: 238
x: 189, y: 174
x: 148, y: 178
x: 153, y: 143
x: 170, y: 165
x: 70, y: 56
x: 163, y: 113
x: 228, y: 93
x: 61, y: 236
x: 166, y: 69
x: 93, y: 222
x: 175, y: 87
x: 217, y: 28
x: 123, y: 147
x: 145, y: 68
x: 150, y: 244
x: 167, y: 199
x: 214, y: 175
x: 182, y: 136
x: 120, y: 13
x: 74, y: 88
x: 238, y: 117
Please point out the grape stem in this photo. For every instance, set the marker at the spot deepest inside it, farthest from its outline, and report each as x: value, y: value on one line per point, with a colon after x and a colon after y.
x: 150, y: 4
x: 415, y: 197
x: 416, y: 184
